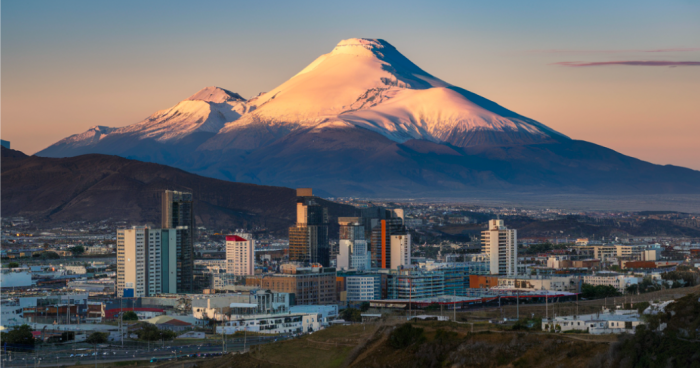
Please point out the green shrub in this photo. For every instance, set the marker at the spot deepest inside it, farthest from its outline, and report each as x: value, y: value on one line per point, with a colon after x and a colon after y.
x: 443, y: 336
x: 405, y: 336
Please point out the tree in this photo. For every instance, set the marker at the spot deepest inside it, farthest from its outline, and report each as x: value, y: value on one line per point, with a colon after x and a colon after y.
x: 130, y: 316
x: 351, y: 314
x: 405, y: 336
x: 589, y: 291
x: 46, y: 255
x: 149, y: 332
x: 97, y: 338
x: 77, y: 250
x: 364, y: 307
x: 18, y: 338
x: 13, y: 265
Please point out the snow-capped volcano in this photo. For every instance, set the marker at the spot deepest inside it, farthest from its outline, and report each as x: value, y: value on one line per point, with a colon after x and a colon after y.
x: 369, y: 84
x: 365, y: 83
x: 364, y: 120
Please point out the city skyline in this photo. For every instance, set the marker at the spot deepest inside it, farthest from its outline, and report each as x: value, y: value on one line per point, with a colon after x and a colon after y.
x: 623, y: 78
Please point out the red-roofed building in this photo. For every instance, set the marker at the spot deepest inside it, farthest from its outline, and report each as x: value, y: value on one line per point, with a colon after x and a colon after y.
x: 175, y: 325
x: 239, y: 255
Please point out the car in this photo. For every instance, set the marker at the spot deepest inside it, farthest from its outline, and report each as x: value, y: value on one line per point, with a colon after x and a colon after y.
x: 72, y: 355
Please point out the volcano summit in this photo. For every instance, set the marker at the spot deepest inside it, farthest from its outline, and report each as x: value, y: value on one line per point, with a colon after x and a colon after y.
x: 363, y: 120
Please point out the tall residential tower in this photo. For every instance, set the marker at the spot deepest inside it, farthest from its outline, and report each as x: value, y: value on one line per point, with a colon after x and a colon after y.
x: 308, y: 240
x: 501, y: 246
x: 240, y: 257
x: 178, y: 214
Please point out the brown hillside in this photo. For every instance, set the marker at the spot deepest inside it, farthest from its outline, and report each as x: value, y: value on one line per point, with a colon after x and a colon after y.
x: 101, y: 187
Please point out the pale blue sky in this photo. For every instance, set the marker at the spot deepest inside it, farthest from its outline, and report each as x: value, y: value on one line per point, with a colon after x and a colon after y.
x: 68, y: 65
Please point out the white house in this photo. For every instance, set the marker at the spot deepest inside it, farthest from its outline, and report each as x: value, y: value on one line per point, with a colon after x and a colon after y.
x: 607, y: 322
x: 269, y: 324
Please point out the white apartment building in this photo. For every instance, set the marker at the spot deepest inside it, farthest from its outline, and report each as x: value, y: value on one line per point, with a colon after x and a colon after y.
x: 619, y: 282
x: 153, y: 258
x: 147, y: 261
x: 240, y: 251
x: 268, y: 324
x: 359, y: 288
x: 501, y: 245
x: 400, y: 251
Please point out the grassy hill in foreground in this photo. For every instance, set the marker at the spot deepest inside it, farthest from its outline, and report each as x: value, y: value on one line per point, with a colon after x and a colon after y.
x: 393, y: 343
x: 445, y: 344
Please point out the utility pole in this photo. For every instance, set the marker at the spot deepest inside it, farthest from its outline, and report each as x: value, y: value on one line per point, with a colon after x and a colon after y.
x: 410, y: 297
x: 121, y: 320
x: 454, y: 306
x: 546, y: 307
x: 223, y: 345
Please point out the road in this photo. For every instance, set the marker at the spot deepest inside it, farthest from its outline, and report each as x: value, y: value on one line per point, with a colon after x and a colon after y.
x: 115, y: 353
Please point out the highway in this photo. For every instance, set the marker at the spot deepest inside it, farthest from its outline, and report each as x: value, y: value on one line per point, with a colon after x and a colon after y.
x: 57, y: 356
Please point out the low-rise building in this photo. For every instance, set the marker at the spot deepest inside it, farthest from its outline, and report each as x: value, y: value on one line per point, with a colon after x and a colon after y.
x: 309, y: 285
x: 553, y: 283
x: 268, y: 324
x: 363, y: 287
x: 607, y: 322
x: 243, y: 301
x: 619, y: 282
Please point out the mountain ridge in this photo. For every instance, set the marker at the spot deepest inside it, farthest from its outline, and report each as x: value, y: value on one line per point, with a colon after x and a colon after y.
x: 101, y: 187
x: 353, y: 116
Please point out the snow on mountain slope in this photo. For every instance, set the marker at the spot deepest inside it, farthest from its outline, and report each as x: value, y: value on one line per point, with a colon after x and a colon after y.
x: 357, y: 74
x: 444, y: 115
x: 90, y: 136
x: 186, y: 117
x: 370, y: 84
x: 216, y: 95
x: 364, y: 82
x: 207, y: 111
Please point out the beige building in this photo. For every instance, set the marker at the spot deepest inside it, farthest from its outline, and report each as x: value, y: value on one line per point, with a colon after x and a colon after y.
x: 501, y: 246
x: 240, y: 251
x: 400, y: 251
x: 131, y: 261
x: 610, y: 253
x: 554, y: 283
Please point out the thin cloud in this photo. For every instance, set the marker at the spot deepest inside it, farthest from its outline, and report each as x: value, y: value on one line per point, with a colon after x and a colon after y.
x: 556, y: 51
x: 577, y: 64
